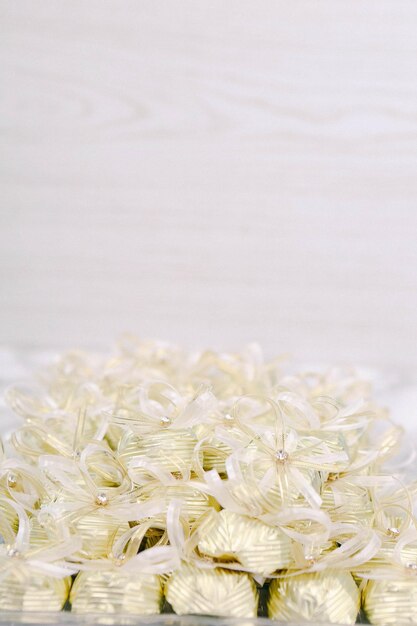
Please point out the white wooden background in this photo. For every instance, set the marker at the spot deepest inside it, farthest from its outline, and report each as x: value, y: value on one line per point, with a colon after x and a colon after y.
x: 211, y: 172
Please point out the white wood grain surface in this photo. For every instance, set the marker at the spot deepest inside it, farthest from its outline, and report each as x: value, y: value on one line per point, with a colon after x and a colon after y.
x: 211, y: 172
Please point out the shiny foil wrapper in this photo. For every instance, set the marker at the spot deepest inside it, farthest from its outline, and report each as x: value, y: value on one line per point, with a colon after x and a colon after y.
x: 331, y: 597
x: 356, y: 505
x: 22, y: 590
x: 170, y: 449
x: 191, y: 590
x: 283, y: 493
x: 387, y: 602
x: 42, y: 533
x: 385, y: 558
x: 215, y: 456
x: 261, y: 548
x: 98, y: 532
x: 215, y: 451
x: 115, y: 592
x: 194, y: 502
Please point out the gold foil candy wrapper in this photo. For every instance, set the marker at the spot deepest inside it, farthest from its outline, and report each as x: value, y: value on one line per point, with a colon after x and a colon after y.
x: 170, y: 449
x: 98, y: 533
x: 330, y: 596
x: 215, y: 455
x: 261, y: 548
x: 22, y: 590
x: 115, y: 592
x: 386, y: 559
x: 284, y: 492
x: 191, y: 590
x: 40, y: 534
x: 194, y: 503
x: 214, y: 451
x: 391, y: 601
x: 353, y: 506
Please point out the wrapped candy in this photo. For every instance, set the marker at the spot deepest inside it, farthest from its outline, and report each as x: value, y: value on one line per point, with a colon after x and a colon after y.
x: 172, y: 450
x: 32, y: 591
x: 390, y: 596
x: 346, y: 501
x: 159, y: 426
x: 195, y: 503
x: 129, y: 580
x: 35, y: 577
x: 260, y: 548
x: 98, y: 533
x: 191, y: 590
x: 57, y: 421
x: 115, y: 591
x: 331, y: 597
x: 97, y: 513
x: 389, y: 602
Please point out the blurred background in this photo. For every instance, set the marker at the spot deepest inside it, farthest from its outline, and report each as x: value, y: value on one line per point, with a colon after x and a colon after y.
x: 211, y: 173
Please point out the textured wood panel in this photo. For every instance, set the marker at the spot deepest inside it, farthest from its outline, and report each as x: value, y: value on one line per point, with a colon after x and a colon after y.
x: 211, y: 172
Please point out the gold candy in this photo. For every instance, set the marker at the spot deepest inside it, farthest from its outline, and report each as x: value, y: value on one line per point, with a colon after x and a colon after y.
x: 22, y: 590
x: 112, y: 591
x: 331, y: 596
x: 354, y: 504
x: 191, y: 590
x: 386, y: 558
x: 215, y: 456
x: 98, y: 532
x: 171, y: 449
x: 261, y: 548
x: 284, y: 492
x: 214, y: 451
x: 387, y: 602
x: 194, y: 502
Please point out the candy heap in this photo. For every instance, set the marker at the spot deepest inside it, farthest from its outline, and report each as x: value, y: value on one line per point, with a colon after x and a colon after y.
x: 156, y: 479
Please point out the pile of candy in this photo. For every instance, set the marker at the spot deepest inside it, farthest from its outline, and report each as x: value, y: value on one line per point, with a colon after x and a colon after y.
x: 156, y: 479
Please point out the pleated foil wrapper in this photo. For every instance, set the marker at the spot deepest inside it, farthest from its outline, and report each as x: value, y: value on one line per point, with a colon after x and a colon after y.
x: 387, y: 602
x: 215, y: 451
x: 386, y: 560
x: 215, y: 456
x: 24, y: 591
x: 172, y: 450
x: 351, y: 505
x: 331, y: 597
x: 283, y: 493
x: 261, y: 548
x: 98, y: 533
x: 191, y: 590
x: 42, y: 535
x: 115, y: 592
x: 194, y: 503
